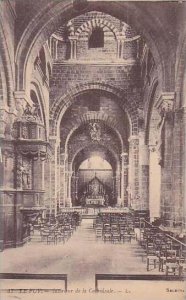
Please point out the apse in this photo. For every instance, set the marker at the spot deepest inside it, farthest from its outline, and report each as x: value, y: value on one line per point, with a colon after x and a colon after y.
x: 95, y: 163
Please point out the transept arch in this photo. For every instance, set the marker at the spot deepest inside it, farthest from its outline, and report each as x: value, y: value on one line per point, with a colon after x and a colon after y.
x: 96, y: 117
x: 59, y: 107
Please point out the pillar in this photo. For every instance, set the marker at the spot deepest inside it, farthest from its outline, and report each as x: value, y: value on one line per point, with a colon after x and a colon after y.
x: 125, y: 169
x: 118, y: 187
x: 143, y: 173
x: 165, y: 143
x: 55, y: 143
x: 73, y: 47
x: 154, y: 183
x: 48, y: 185
x: 69, y: 184
x: 120, y: 47
x: 179, y: 167
x: 124, y: 178
x: 184, y: 169
x: 133, y: 184
x: 62, y: 179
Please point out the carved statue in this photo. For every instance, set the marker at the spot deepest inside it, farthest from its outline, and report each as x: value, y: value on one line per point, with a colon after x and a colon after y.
x: 36, y: 111
x: 31, y: 113
x: 159, y: 143
x: 95, y: 132
x: 27, y: 110
x: 24, y: 173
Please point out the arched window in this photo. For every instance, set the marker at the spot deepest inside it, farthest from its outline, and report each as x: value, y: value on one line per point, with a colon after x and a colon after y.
x: 96, y: 39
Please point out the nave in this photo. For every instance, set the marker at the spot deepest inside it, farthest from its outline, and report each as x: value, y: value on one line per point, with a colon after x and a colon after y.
x: 82, y: 252
x: 81, y: 257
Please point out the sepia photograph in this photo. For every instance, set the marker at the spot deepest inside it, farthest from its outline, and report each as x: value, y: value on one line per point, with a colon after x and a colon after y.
x: 92, y: 150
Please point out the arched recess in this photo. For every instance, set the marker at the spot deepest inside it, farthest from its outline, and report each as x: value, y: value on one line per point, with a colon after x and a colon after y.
x: 59, y: 107
x: 108, y: 155
x: 152, y: 139
x: 94, y: 146
x: 96, y: 23
x: 97, y: 117
x: 44, y: 24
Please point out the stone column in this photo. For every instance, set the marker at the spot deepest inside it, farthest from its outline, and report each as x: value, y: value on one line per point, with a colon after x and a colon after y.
x: 124, y: 178
x: 55, y: 143
x: 143, y: 173
x: 184, y: 170
x: 165, y: 150
x: 133, y: 184
x: 125, y: 169
x: 48, y: 185
x: 118, y: 187
x: 73, y: 47
x: 154, y: 183
x: 56, y: 49
x: 179, y: 167
x: 120, y: 47
x: 69, y: 179
x: 122, y: 181
x: 62, y: 180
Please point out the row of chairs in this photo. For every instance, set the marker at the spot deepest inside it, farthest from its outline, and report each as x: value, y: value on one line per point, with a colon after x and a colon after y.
x: 163, y: 251
x: 59, y: 229
x: 114, y: 227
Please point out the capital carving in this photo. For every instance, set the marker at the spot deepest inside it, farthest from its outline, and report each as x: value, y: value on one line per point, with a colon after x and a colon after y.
x: 165, y: 102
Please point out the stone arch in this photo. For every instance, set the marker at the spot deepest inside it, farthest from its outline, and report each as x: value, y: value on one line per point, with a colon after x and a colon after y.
x: 3, y: 86
x: 7, y: 67
x: 96, y: 22
x: 97, y: 116
x: 114, y: 159
x: 44, y: 24
x: 113, y: 145
x: 181, y: 75
x: 64, y: 102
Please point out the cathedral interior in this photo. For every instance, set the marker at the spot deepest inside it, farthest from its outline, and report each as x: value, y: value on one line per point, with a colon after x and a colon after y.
x: 93, y: 113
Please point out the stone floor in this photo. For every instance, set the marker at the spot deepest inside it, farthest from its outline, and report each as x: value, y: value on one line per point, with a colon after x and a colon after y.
x: 81, y: 258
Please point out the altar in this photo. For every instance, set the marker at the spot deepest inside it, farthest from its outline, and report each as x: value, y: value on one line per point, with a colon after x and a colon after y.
x: 95, y: 193
x: 97, y: 202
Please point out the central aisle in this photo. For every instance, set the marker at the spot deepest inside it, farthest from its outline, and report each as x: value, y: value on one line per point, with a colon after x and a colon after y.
x: 81, y: 257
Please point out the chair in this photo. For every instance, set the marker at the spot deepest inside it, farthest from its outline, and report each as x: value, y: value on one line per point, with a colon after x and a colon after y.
x: 115, y: 236
x: 99, y: 232
x: 152, y: 257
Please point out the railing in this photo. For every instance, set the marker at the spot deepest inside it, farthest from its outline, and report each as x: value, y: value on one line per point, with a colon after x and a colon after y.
x: 23, y: 276
x: 145, y: 277
x: 94, y: 210
x: 182, y: 245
